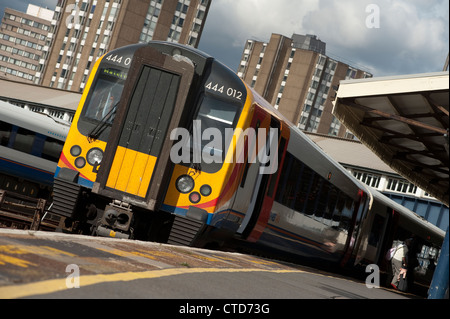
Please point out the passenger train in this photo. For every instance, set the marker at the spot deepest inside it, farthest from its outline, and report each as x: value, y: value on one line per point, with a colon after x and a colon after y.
x: 30, y: 147
x: 128, y: 170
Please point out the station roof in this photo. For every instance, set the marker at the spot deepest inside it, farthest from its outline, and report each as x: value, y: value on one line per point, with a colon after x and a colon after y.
x: 343, y: 150
x: 39, y: 95
x: 404, y: 120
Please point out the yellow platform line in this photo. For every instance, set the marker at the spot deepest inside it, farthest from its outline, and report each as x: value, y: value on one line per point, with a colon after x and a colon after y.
x: 55, y: 285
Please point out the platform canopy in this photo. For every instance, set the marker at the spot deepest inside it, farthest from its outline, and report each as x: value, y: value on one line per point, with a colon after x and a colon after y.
x: 32, y: 94
x: 404, y: 120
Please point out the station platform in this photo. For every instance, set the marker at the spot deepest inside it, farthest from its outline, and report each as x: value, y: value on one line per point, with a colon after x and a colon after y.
x: 47, y: 265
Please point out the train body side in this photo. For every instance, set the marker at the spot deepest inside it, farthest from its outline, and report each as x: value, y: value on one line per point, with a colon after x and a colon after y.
x: 317, y: 207
x: 30, y: 147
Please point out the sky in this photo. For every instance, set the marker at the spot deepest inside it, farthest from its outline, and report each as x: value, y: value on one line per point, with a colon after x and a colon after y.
x: 384, y: 37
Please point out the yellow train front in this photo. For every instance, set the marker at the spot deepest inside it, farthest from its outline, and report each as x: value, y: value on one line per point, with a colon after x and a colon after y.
x: 151, y: 153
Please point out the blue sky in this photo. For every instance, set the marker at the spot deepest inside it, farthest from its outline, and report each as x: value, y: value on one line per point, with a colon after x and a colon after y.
x: 385, y: 37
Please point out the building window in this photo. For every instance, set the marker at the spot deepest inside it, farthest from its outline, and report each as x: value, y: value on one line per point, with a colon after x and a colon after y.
x: 370, y: 179
x: 401, y: 186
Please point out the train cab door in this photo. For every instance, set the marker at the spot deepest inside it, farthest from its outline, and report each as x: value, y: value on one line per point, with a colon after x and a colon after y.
x: 262, y: 197
x: 373, y: 234
x: 392, y: 219
x: 137, y: 162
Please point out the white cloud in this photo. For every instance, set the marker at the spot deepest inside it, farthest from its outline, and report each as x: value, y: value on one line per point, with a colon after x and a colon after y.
x: 242, y: 20
x: 412, y: 36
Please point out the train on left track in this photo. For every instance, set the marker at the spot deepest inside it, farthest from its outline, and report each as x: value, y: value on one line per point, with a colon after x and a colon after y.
x: 30, y: 147
x: 170, y: 145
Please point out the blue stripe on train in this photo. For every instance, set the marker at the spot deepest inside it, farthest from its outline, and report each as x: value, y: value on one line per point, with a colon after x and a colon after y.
x: 81, y: 181
x: 26, y: 172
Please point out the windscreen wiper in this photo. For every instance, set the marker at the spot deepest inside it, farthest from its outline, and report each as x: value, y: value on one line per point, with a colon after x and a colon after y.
x: 102, y: 124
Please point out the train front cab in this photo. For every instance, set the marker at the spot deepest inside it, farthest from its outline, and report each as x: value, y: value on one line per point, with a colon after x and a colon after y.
x: 137, y: 166
x: 119, y: 157
x: 199, y: 194
x: 134, y: 179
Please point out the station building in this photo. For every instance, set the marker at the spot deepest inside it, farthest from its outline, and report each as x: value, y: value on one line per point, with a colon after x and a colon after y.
x: 58, y: 48
x: 83, y: 30
x: 22, y: 39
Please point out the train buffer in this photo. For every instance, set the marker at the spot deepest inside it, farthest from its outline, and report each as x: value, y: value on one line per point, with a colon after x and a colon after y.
x: 23, y: 212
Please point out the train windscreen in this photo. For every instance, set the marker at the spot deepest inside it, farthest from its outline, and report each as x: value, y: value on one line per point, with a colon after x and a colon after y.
x: 100, y: 107
x: 215, y: 120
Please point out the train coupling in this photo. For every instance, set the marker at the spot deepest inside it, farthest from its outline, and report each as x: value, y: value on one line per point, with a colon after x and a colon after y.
x: 116, y: 220
x: 108, y: 232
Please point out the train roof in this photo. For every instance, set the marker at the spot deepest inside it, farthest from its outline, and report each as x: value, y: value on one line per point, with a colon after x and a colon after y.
x: 297, y: 135
x: 199, y: 58
x: 182, y: 47
x: 33, y: 121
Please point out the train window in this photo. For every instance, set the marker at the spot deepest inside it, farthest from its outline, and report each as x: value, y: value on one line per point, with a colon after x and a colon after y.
x: 52, y: 149
x: 313, y: 195
x: 377, y: 230
x: 284, y: 177
x: 102, y: 102
x: 347, y: 213
x: 294, y: 176
x: 221, y: 115
x: 214, y: 111
x: 5, y: 133
x: 339, y: 208
x: 107, y: 91
x: 308, y: 193
x: 24, y: 140
x: 427, y: 258
x: 332, y: 202
x: 38, y: 144
x: 302, y: 193
x: 322, y: 199
x: 29, y: 142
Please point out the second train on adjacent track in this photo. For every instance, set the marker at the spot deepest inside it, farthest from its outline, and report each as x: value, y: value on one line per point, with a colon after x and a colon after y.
x: 30, y: 147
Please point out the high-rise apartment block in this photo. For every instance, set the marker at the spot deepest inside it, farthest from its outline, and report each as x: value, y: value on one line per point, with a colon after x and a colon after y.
x: 83, y: 30
x: 22, y: 39
x: 298, y: 78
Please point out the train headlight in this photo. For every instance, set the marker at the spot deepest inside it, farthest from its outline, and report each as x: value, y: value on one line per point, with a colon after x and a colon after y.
x: 94, y: 156
x: 205, y: 190
x: 75, y: 151
x: 185, y: 184
x: 80, y: 162
x: 194, y: 197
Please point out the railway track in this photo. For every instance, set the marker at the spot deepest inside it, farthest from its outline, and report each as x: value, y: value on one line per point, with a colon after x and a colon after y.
x: 22, y: 212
